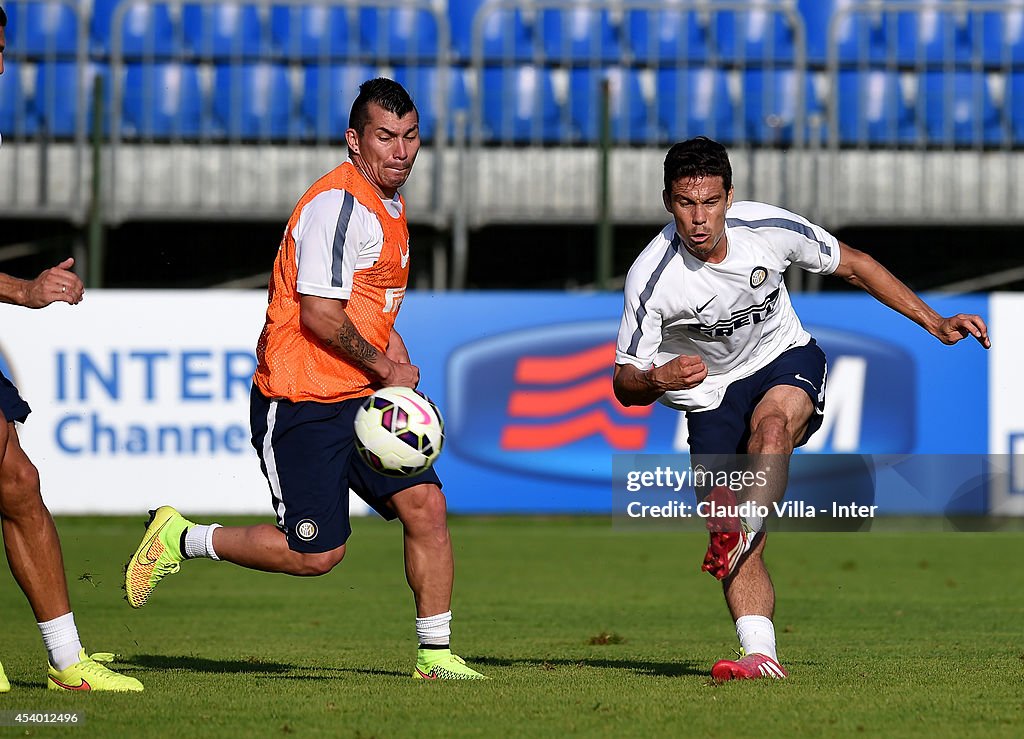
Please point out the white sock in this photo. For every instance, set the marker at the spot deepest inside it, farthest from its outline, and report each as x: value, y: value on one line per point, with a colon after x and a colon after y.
x: 757, y: 635
x: 60, y: 636
x: 754, y: 522
x: 436, y: 630
x: 199, y: 541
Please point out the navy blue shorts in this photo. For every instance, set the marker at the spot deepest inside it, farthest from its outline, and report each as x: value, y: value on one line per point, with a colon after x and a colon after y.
x: 311, y: 463
x: 726, y: 429
x: 11, y: 403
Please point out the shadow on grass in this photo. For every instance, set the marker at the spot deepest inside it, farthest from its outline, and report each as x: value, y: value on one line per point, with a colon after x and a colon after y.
x: 244, y: 666
x: 639, y: 666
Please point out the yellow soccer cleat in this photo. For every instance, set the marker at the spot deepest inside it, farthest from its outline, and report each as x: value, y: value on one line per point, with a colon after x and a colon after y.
x: 441, y: 664
x: 5, y: 684
x: 158, y: 555
x: 89, y: 674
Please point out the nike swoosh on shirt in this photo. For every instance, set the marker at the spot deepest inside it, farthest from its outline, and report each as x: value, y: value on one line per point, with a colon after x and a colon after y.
x: 404, y: 255
x: 706, y: 304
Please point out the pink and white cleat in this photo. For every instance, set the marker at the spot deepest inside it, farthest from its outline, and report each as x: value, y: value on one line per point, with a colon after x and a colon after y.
x: 731, y: 537
x: 748, y: 667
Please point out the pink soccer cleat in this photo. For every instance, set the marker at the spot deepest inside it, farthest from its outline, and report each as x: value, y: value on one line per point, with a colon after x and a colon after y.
x: 748, y: 667
x: 731, y: 537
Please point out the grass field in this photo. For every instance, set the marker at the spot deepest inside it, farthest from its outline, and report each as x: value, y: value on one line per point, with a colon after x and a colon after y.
x: 585, y: 630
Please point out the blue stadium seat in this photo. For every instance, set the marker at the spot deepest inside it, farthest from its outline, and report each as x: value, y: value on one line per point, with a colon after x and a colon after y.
x: 226, y: 30
x: 960, y: 109
x: 1003, y: 35
x: 755, y: 34
x: 770, y: 105
x: 423, y: 84
x: 940, y: 34
x: 668, y: 34
x: 146, y: 29
x: 1015, y: 107
x: 877, y: 107
x: 16, y: 118
x: 520, y: 105
x: 43, y: 28
x: 408, y: 34
x: 580, y: 34
x: 507, y: 34
x: 254, y: 101
x: 162, y: 101
x: 57, y: 95
x: 698, y: 101
x: 861, y: 36
x: 328, y: 95
x: 631, y: 115
x: 308, y: 32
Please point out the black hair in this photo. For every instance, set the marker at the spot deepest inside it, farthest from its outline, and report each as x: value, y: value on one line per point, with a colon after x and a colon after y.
x: 3, y: 18
x: 697, y: 157
x: 386, y: 93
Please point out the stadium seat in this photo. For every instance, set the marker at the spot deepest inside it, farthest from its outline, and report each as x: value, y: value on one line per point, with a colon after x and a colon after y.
x: 520, y: 105
x: 162, y: 101
x: 507, y: 34
x: 1003, y: 34
x: 254, y: 102
x: 42, y: 28
x: 423, y: 84
x: 631, y: 114
x: 398, y: 34
x: 226, y: 30
x: 770, y: 105
x: 15, y: 113
x: 861, y: 34
x: 328, y: 95
x: 760, y: 33
x: 877, y: 107
x: 668, y: 34
x: 581, y: 34
x: 307, y: 32
x: 698, y: 101
x: 146, y: 29
x: 944, y: 32
x: 960, y: 109
x: 56, y: 100
x: 1014, y: 106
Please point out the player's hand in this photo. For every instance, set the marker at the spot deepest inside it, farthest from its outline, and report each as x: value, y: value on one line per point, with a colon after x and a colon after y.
x: 681, y: 373
x: 960, y: 326
x: 399, y: 373
x: 56, y: 283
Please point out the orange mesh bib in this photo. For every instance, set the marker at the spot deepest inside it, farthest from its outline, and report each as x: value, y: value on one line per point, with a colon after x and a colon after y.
x: 295, y: 364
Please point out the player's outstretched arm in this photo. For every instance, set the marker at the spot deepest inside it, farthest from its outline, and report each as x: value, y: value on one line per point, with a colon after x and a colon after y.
x: 55, y: 284
x: 634, y: 386
x: 396, y: 349
x: 326, y: 319
x: 862, y: 270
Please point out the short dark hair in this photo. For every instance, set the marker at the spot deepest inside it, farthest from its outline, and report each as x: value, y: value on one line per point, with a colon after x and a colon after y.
x: 697, y: 157
x: 386, y: 93
x: 3, y: 18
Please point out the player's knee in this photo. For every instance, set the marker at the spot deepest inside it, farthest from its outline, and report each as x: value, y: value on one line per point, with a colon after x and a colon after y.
x: 772, y: 436
x: 425, y: 505
x: 320, y: 563
x: 19, y: 489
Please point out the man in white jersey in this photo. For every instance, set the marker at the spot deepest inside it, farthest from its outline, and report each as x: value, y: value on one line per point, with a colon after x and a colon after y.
x: 708, y: 329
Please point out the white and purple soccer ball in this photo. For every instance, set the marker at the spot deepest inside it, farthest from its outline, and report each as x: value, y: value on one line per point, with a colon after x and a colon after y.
x: 399, y: 432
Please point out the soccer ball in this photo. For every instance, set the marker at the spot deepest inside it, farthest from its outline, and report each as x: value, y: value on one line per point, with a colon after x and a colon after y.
x: 399, y: 432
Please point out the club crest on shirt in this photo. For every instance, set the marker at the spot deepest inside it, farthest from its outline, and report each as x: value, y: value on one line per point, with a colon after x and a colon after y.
x: 758, y: 276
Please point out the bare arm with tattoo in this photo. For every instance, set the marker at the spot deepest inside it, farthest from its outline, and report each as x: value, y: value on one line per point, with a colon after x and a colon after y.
x: 326, y: 319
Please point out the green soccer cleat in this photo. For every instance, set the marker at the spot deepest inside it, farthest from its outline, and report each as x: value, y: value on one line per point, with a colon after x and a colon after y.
x: 89, y: 674
x: 158, y: 555
x: 441, y: 664
x: 5, y: 684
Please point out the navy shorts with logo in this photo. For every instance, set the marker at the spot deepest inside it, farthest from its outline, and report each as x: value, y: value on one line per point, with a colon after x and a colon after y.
x: 310, y: 461
x: 11, y: 403
x: 726, y: 429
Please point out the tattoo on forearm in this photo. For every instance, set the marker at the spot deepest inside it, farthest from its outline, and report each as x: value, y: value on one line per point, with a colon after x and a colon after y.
x: 352, y: 345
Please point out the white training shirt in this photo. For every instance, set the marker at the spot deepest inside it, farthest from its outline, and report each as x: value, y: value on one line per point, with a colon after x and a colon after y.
x: 336, y: 235
x: 736, y: 315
